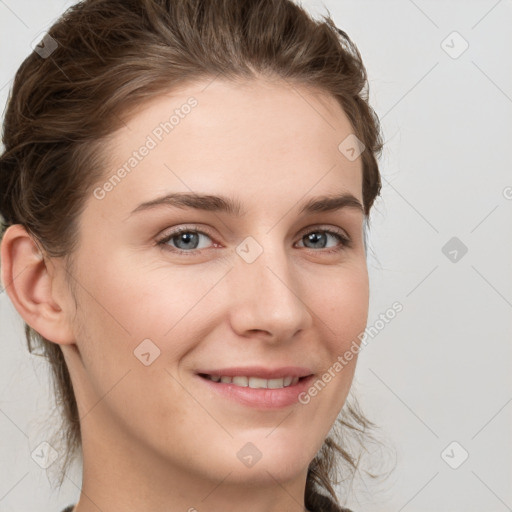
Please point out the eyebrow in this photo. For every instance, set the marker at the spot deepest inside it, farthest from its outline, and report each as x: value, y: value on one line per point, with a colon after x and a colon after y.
x: 213, y: 203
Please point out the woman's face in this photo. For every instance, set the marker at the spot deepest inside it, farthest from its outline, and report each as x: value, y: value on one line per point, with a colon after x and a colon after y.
x: 270, y: 290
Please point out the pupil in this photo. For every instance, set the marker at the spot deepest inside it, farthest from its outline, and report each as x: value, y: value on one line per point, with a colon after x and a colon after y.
x: 315, y: 238
x: 186, y: 237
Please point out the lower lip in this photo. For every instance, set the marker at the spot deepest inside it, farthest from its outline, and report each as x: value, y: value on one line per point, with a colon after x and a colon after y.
x: 260, y: 398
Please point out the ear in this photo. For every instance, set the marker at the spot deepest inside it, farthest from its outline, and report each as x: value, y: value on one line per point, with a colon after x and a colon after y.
x: 35, y: 286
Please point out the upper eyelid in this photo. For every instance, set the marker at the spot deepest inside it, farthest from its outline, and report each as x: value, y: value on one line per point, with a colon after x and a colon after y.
x: 176, y: 231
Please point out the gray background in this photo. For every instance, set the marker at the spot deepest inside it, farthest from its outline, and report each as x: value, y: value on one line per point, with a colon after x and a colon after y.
x: 440, y: 371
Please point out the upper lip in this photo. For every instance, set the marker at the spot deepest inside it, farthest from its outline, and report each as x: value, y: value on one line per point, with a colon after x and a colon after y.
x: 260, y: 371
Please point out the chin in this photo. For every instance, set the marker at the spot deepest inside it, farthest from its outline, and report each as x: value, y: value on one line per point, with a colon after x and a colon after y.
x: 269, y: 456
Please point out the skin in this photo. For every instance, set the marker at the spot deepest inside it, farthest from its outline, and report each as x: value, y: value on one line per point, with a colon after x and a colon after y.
x: 155, y: 435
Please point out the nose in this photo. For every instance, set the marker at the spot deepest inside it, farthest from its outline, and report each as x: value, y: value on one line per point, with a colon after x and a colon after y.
x: 268, y: 298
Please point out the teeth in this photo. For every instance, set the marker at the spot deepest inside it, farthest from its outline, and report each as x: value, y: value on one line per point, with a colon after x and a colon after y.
x: 255, y: 382
x: 241, y: 381
x: 275, y: 383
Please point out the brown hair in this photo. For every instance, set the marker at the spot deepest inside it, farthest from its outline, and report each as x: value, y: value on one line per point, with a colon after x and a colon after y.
x: 106, y: 57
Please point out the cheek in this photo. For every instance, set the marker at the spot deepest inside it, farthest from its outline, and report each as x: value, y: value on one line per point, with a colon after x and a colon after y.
x: 342, y: 313
x: 137, y: 315
x: 120, y: 309
x: 139, y: 302
x: 342, y: 305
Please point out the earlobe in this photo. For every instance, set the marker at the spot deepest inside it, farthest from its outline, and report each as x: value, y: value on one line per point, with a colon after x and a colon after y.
x: 32, y: 287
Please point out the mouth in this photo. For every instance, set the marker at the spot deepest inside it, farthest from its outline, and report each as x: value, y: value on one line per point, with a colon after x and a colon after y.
x: 244, y: 381
x: 257, y: 387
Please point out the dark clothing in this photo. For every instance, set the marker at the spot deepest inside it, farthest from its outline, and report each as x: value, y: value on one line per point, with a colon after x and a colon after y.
x: 68, y: 509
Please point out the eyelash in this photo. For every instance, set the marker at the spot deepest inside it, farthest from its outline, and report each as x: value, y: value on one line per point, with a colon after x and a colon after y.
x: 345, y: 241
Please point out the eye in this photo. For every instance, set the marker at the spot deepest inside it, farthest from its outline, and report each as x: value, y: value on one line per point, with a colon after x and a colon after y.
x: 186, y: 240
x: 319, y: 237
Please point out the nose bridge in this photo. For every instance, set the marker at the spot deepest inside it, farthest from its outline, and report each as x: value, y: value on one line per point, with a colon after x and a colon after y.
x: 266, y: 294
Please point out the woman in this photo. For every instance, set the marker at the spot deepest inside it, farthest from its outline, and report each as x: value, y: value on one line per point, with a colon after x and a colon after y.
x: 186, y: 187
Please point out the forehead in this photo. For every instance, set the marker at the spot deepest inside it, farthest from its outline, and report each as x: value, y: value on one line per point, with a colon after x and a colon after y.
x: 251, y: 138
